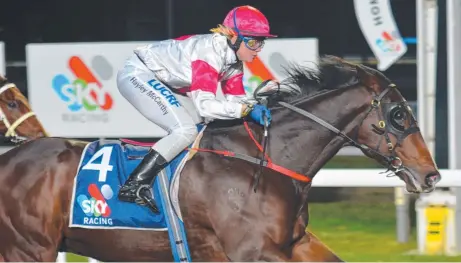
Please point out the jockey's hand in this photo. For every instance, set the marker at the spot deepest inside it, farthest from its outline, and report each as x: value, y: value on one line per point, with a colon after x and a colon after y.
x: 258, y: 113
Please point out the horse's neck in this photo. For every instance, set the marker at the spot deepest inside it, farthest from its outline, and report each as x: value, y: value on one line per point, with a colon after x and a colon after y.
x: 303, y: 145
x: 296, y: 142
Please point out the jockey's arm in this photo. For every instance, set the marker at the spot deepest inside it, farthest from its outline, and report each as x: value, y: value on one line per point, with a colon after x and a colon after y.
x: 233, y: 90
x: 209, y: 107
x: 203, y: 91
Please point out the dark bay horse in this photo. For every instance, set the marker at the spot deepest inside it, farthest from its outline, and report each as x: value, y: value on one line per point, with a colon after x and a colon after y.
x: 314, y: 115
x: 17, y: 120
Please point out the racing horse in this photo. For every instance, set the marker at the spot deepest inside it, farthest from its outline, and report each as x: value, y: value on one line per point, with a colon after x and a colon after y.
x: 314, y: 114
x: 17, y: 120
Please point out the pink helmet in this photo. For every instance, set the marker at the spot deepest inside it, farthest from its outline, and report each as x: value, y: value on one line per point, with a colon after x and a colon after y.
x: 248, y: 21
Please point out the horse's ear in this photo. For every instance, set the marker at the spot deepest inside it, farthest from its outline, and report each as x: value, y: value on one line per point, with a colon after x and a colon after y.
x: 369, y: 80
x: 3, y: 80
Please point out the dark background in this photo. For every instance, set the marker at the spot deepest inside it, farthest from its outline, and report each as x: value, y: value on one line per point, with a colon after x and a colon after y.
x: 333, y: 22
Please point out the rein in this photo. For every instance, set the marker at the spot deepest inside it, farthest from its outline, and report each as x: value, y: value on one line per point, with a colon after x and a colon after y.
x: 265, y: 162
x: 394, y: 163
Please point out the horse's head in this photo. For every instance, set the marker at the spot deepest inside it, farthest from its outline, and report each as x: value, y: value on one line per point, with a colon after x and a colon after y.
x: 391, y: 132
x: 17, y: 120
x: 362, y: 108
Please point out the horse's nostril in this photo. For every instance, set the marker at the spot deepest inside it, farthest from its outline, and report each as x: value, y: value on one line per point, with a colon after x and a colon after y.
x: 433, y: 178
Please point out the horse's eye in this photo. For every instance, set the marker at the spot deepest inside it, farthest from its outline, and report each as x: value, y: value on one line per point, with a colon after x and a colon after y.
x: 12, y: 104
x: 399, y: 115
x: 397, y: 118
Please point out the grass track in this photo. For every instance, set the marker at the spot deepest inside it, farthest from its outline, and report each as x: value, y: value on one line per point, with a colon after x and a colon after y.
x: 364, y: 232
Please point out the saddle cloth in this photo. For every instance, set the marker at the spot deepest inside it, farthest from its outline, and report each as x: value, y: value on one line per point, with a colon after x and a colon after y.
x: 104, y: 167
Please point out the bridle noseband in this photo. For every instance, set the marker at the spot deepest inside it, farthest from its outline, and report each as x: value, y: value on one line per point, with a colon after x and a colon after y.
x: 11, y: 128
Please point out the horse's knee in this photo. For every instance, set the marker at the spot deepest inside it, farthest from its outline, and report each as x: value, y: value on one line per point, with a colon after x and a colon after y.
x: 311, y: 249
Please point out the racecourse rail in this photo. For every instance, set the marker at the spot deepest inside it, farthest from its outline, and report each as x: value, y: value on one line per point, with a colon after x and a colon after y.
x: 357, y: 178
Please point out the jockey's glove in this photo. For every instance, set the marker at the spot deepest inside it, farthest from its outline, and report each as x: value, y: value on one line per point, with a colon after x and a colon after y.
x: 258, y: 112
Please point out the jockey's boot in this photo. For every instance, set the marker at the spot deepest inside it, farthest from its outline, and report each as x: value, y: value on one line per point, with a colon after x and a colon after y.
x: 137, y: 188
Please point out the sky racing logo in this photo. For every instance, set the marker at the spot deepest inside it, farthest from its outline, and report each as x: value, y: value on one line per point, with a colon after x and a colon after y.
x: 96, y: 206
x: 84, y: 90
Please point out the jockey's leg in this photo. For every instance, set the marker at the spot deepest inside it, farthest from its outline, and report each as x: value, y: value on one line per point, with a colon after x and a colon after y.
x: 158, y: 104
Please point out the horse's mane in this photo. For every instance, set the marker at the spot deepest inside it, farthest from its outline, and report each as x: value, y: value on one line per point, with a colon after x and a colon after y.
x: 303, y: 82
x: 331, y: 73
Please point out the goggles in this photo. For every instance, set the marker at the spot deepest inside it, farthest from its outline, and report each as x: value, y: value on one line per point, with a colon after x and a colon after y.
x: 252, y: 43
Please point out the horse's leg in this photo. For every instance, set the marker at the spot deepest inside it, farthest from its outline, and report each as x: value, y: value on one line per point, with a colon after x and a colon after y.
x: 205, y: 246
x: 16, y: 254
x: 119, y: 245
x: 310, y: 249
x: 273, y: 254
x: 36, y: 180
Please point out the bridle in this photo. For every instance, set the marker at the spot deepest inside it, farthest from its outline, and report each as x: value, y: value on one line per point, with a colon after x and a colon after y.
x: 393, y: 162
x: 387, y: 125
x: 11, y: 128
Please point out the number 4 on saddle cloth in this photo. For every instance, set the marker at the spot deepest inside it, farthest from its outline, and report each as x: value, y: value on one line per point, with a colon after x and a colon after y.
x: 104, y: 167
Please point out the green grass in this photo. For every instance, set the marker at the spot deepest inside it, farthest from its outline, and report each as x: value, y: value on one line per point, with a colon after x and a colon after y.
x: 342, y: 162
x: 76, y: 258
x: 363, y: 229
x: 364, y: 232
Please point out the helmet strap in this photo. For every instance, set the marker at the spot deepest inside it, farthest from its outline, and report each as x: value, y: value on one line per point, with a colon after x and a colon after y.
x: 239, y: 40
x: 235, y: 46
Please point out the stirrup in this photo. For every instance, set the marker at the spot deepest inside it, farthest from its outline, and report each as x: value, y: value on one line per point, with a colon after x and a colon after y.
x: 144, y: 198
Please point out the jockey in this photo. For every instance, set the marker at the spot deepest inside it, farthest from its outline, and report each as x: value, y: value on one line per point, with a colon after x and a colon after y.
x: 153, y: 79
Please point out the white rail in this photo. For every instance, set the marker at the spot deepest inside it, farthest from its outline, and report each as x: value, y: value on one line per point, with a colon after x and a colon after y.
x: 374, y: 178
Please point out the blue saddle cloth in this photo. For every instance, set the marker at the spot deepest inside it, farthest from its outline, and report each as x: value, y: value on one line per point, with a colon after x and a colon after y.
x: 104, y: 167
